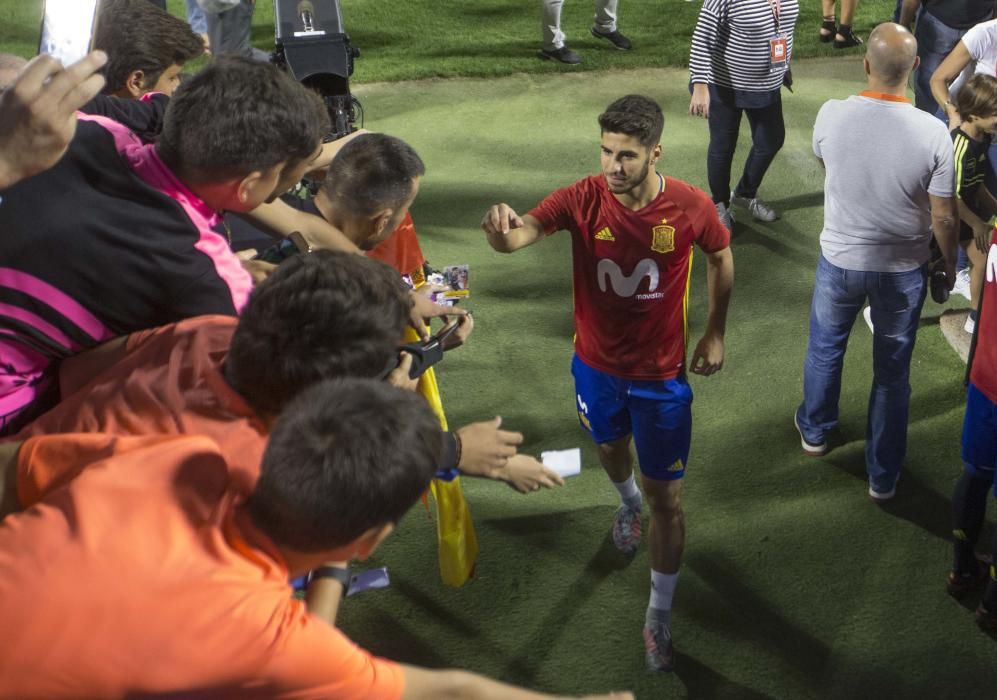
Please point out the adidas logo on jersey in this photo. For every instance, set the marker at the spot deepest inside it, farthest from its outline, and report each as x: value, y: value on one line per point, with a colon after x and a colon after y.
x: 605, y: 235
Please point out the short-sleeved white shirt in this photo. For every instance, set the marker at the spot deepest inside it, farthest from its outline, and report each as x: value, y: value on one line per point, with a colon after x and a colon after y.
x: 981, y: 42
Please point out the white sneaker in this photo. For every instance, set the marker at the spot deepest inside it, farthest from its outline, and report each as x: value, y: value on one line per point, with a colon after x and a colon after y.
x: 883, y: 496
x: 970, y: 326
x: 726, y: 216
x: 962, y: 284
x: 759, y: 209
x: 867, y: 315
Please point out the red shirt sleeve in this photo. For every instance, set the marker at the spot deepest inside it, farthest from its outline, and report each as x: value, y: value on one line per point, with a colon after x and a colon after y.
x: 556, y: 211
x: 711, y: 234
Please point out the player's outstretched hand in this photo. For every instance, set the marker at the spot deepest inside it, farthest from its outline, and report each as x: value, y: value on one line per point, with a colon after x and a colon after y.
x: 423, y: 309
x: 38, y: 113
x: 525, y: 474
x: 485, y: 448
x: 500, y: 219
x: 708, y: 356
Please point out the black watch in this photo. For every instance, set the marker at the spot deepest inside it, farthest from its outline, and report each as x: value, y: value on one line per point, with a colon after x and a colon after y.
x: 340, y: 573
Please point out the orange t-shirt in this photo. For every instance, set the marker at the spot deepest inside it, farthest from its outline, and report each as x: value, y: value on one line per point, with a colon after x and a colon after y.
x: 137, y: 577
x: 401, y: 250
x: 170, y: 382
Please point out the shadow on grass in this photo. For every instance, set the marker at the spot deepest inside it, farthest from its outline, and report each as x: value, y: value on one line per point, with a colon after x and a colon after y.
x: 607, y: 560
x: 701, y: 681
x: 388, y: 637
x: 809, y: 200
x: 915, y: 502
x: 749, y: 616
x: 773, y: 241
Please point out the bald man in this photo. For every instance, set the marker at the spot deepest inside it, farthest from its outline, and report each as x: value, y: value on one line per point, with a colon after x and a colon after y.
x: 10, y: 67
x: 889, y: 181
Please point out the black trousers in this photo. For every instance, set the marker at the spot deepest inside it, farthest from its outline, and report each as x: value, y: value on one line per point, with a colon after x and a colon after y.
x: 768, y: 132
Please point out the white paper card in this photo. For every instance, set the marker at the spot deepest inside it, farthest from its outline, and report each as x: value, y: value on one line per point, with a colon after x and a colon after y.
x: 565, y: 462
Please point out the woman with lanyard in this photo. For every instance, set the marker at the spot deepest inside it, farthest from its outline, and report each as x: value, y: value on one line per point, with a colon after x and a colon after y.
x: 739, y: 61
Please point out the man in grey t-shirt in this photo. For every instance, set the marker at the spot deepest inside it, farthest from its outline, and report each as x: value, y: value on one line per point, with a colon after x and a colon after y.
x: 890, y: 181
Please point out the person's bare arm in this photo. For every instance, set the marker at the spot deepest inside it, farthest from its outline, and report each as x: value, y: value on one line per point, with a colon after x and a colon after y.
x: 981, y: 228
x: 38, y: 113
x: 507, y: 232
x: 8, y: 478
x: 908, y: 12
x: 709, y: 354
x: 324, y: 595
x: 945, y: 225
x: 331, y: 149
x: 423, y: 684
x: 943, y: 76
x: 282, y: 219
x: 488, y: 452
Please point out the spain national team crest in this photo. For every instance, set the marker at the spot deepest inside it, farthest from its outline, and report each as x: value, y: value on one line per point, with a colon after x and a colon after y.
x: 663, y: 239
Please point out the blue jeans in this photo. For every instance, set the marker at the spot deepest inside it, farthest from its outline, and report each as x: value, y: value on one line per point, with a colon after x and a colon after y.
x: 935, y: 40
x: 896, y: 299
x: 196, y: 18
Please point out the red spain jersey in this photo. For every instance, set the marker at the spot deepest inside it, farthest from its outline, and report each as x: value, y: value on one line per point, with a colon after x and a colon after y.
x: 984, y: 372
x: 631, y: 272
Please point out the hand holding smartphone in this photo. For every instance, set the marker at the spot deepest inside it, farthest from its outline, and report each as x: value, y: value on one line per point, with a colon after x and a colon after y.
x: 68, y: 27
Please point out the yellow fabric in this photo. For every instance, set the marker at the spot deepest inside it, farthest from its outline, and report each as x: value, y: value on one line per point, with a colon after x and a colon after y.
x: 456, y: 539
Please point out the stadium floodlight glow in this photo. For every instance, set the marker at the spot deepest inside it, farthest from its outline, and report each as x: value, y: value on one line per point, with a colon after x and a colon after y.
x: 311, y: 44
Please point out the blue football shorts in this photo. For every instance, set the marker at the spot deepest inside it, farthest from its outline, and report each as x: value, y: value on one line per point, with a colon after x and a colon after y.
x: 979, y: 434
x: 658, y: 413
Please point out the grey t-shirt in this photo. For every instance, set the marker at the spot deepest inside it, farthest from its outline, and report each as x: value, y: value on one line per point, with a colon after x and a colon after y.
x: 883, y: 159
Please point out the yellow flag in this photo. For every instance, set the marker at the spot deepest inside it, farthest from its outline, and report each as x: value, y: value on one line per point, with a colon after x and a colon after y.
x: 455, y: 535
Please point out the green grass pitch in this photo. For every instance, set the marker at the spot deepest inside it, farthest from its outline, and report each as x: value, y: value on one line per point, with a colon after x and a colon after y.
x: 793, y: 585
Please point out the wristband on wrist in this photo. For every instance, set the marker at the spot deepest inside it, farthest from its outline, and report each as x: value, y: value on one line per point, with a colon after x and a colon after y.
x: 456, y: 438
x: 340, y: 573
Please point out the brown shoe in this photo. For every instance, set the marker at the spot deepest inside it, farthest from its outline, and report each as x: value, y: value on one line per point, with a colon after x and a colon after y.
x: 959, y: 585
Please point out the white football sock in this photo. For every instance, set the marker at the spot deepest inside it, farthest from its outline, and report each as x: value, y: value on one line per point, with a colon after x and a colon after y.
x: 662, y: 590
x: 629, y: 493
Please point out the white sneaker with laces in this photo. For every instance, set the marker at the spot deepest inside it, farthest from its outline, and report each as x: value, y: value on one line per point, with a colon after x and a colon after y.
x: 726, y: 216
x: 759, y: 208
x: 867, y: 315
x: 962, y: 285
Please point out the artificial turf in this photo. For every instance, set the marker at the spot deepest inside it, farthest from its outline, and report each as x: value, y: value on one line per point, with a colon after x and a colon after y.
x: 794, y: 584
x: 428, y: 38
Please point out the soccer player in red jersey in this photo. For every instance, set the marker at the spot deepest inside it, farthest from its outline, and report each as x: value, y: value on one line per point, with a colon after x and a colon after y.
x: 632, y: 233
x: 979, y: 456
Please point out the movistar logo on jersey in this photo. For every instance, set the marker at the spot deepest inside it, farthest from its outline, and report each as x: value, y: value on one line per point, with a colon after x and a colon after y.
x: 609, y: 274
x: 605, y: 235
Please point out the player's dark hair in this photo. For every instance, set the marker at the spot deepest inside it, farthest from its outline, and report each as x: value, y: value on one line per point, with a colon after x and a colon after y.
x: 637, y: 116
x: 978, y: 97
x: 137, y: 35
x: 318, y: 316
x: 346, y: 456
x: 237, y: 116
x: 371, y: 173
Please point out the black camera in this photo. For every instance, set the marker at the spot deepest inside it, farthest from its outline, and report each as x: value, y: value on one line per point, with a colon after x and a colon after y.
x: 938, y: 281
x: 312, y: 46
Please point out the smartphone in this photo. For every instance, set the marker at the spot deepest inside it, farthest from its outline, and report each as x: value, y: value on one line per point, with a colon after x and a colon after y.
x: 67, y: 29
